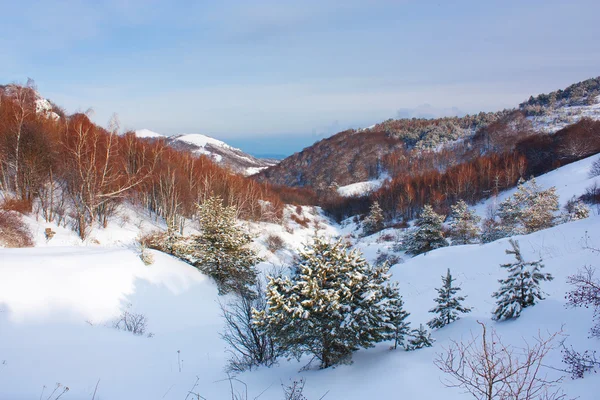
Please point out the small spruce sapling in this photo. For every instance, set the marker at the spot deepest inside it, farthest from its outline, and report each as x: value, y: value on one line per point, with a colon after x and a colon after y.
x: 464, y: 224
x: 420, y: 338
x: 449, y: 304
x: 522, y: 287
x: 428, y: 233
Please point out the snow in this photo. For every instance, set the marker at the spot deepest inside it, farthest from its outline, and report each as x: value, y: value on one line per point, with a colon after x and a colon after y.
x: 147, y: 134
x: 202, y: 140
x: 361, y: 188
x: 59, y: 299
x: 569, y: 180
x: 560, y: 117
x: 253, y: 170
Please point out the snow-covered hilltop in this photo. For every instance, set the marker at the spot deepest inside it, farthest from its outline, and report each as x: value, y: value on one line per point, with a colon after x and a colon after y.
x: 219, y: 151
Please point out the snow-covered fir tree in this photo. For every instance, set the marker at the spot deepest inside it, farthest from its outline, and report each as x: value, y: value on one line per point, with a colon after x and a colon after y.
x: 528, y: 210
x: 448, y: 304
x: 222, y: 249
x: 464, y: 224
x: 522, y: 287
x: 537, y: 206
x: 374, y: 221
x: 575, y: 210
x: 491, y: 230
x: 427, y: 234
x: 334, y: 304
x: 510, y: 214
x: 399, y: 326
x: 420, y: 338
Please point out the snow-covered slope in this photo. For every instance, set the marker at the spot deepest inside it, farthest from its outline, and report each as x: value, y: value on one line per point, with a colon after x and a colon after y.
x: 148, y: 134
x: 362, y: 188
x: 58, y: 303
x: 219, y: 151
x: 554, y: 119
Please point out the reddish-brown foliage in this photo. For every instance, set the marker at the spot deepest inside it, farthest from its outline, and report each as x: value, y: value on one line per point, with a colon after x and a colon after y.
x: 13, y: 232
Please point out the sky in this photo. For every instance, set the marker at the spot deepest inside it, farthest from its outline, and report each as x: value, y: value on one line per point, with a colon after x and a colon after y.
x: 273, y: 76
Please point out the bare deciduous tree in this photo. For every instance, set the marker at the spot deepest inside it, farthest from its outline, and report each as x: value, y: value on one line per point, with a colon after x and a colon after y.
x: 488, y: 369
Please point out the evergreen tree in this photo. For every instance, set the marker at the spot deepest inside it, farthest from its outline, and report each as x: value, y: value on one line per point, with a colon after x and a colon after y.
x: 522, y: 287
x: 222, y: 249
x: 334, y: 304
x: 538, y: 206
x: 575, y: 210
x: 491, y: 230
x: 529, y: 209
x: 464, y: 223
x: 400, y: 328
x: 449, y: 305
x: 427, y: 234
x: 510, y: 213
x: 374, y: 221
x: 420, y: 338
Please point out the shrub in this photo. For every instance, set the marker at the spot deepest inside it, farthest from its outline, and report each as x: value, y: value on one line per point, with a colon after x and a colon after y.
x: 595, y: 169
x: 20, y: 206
x: 13, y: 233
x: 302, y: 221
x: 135, y: 323
x: 274, y: 243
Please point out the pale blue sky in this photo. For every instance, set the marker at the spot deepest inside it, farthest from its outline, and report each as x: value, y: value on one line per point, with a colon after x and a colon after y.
x: 274, y: 75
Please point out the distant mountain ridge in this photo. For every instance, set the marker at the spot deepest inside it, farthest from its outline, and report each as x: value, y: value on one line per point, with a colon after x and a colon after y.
x: 358, y: 155
x: 217, y: 150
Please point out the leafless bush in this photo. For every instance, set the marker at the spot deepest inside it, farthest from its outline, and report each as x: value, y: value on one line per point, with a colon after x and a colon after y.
x: 13, y: 232
x: 388, y: 237
x: 586, y: 293
x: 294, y: 391
x: 274, y: 243
x: 390, y: 258
x: 129, y: 321
x: 579, y: 363
x: 249, y: 346
x: 591, y: 195
x: 595, y: 169
x: 492, y: 370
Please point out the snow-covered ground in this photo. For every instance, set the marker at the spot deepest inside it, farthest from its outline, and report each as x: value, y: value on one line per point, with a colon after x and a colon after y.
x: 362, y: 188
x: 560, y: 117
x: 59, y: 299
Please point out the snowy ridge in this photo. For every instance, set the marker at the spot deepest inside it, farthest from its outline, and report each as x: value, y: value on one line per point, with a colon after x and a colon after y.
x: 147, y: 133
x: 216, y: 149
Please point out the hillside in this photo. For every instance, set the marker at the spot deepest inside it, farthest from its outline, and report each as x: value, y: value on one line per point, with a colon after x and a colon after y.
x: 59, y: 301
x: 355, y: 156
x: 219, y: 151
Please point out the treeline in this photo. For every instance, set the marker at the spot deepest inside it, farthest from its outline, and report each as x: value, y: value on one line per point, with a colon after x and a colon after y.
x: 493, y: 161
x: 581, y: 93
x: 75, y: 173
x: 425, y: 133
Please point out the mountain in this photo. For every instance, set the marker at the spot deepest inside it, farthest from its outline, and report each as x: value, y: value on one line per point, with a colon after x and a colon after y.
x: 217, y: 150
x: 365, y: 155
